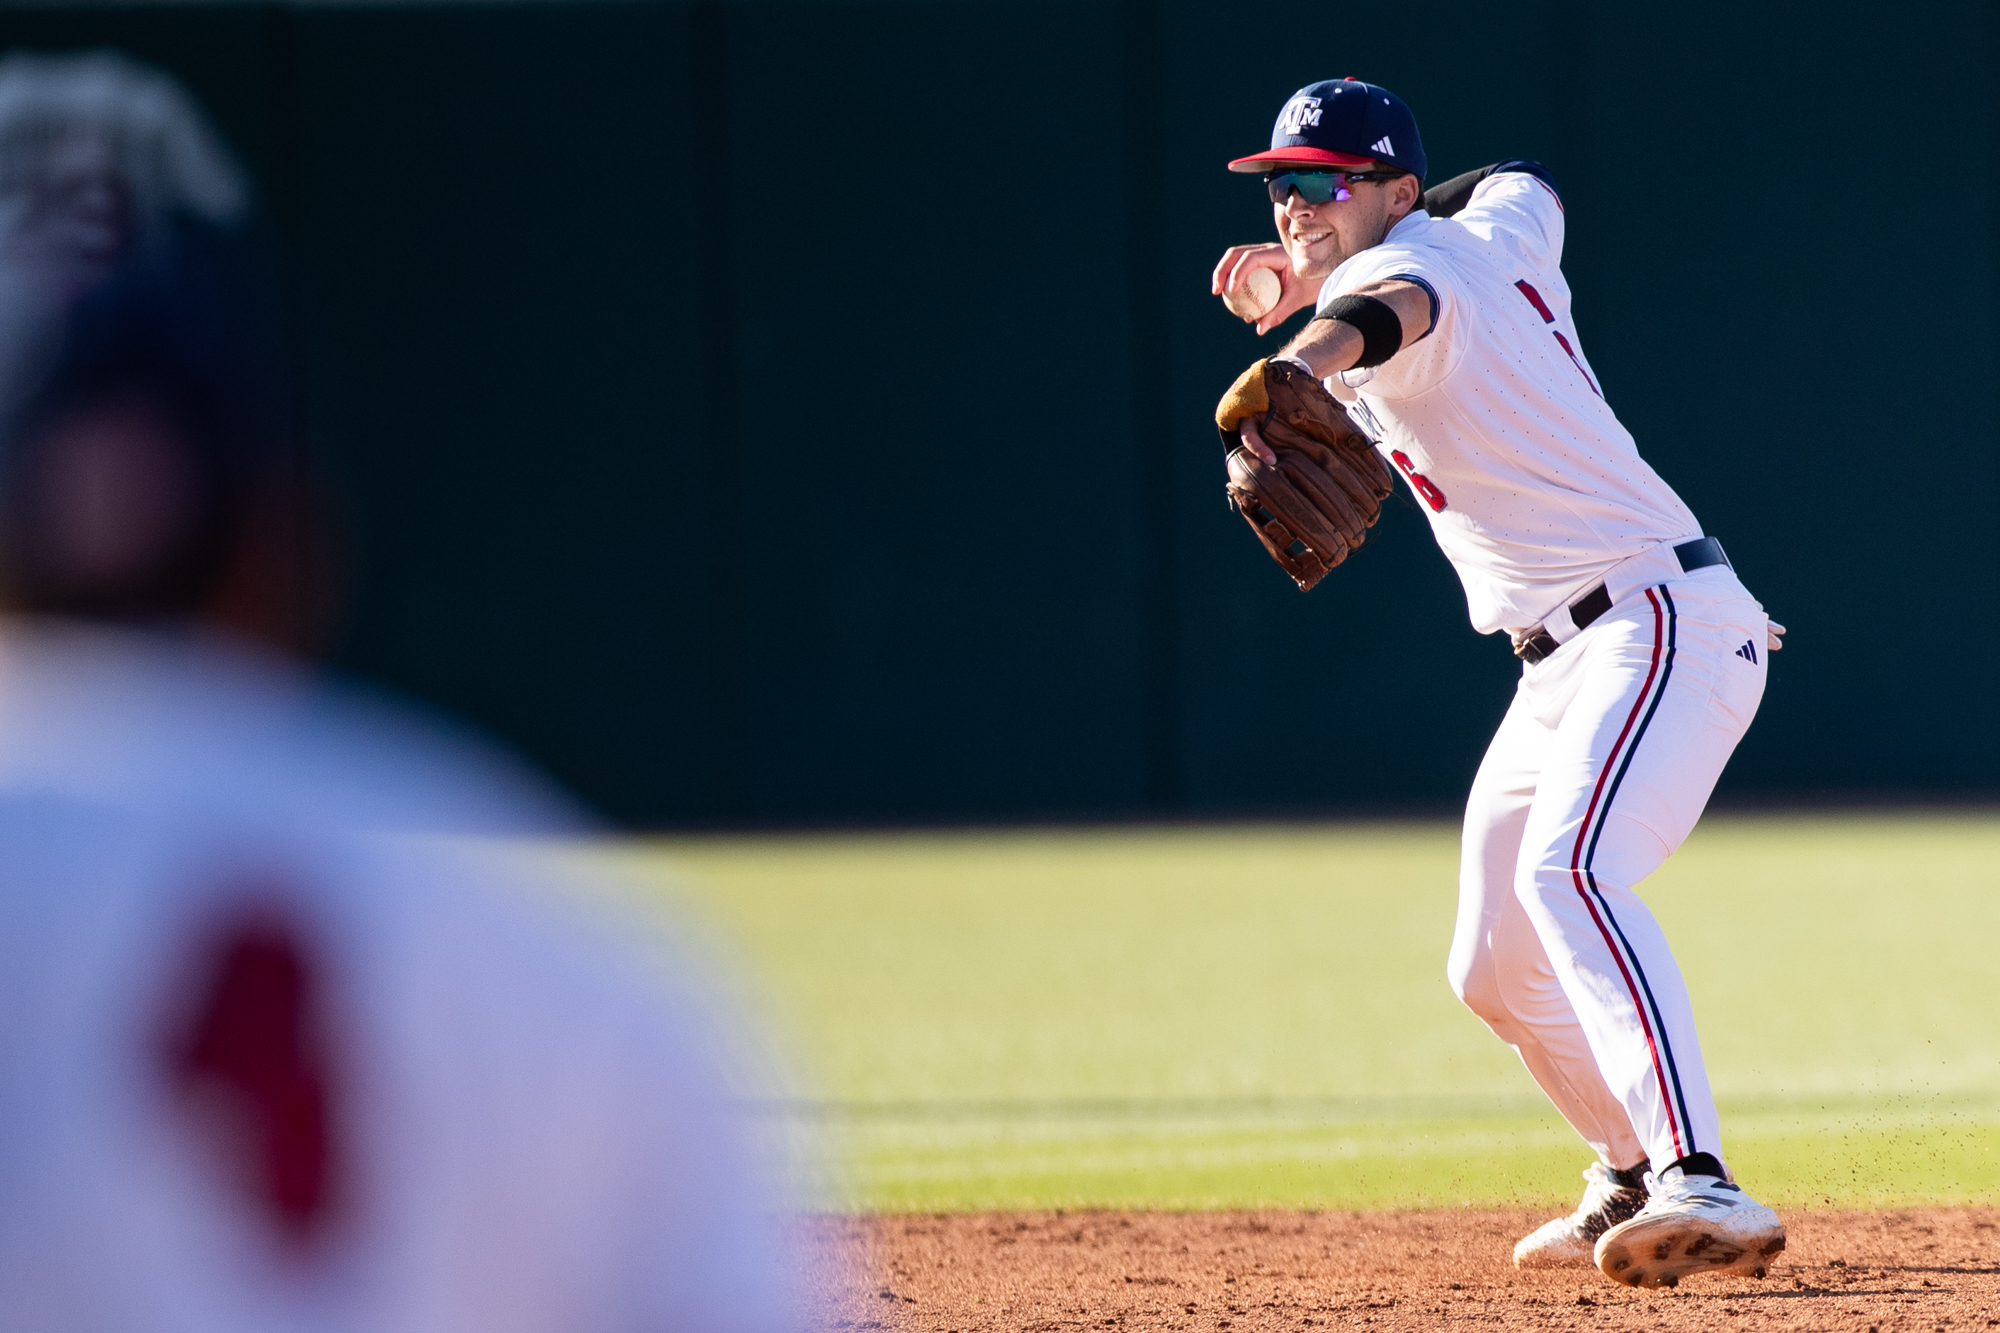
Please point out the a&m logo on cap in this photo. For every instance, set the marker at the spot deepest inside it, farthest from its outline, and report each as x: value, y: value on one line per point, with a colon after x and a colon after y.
x: 1300, y: 112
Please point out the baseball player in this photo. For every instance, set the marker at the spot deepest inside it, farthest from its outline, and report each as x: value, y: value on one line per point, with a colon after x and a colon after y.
x: 1442, y: 325
x: 287, y: 1040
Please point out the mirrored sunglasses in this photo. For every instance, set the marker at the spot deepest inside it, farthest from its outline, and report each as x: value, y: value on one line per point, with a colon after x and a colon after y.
x: 1316, y: 187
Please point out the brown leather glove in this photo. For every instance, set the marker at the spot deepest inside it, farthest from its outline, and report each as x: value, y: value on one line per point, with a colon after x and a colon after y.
x: 1317, y: 502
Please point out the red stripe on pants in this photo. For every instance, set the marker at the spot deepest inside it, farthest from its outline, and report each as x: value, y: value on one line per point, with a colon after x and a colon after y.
x: 1577, y: 871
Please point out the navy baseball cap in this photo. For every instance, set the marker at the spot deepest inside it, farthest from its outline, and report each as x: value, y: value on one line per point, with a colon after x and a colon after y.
x: 1342, y: 123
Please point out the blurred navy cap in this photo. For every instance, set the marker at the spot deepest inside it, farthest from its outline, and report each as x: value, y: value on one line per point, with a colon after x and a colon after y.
x: 1342, y: 123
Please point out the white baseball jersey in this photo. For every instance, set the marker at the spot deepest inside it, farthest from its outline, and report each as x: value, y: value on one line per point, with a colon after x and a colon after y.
x: 1615, y: 740
x: 1496, y: 419
x: 274, y: 1055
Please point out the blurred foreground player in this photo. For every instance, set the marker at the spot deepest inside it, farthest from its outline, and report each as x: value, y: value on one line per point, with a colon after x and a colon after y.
x: 286, y: 1041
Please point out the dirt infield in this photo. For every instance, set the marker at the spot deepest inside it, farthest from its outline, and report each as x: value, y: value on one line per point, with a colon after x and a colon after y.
x: 1929, y: 1268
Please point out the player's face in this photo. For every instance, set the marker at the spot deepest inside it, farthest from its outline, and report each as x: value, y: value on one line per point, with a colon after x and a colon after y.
x: 108, y: 498
x: 1320, y: 237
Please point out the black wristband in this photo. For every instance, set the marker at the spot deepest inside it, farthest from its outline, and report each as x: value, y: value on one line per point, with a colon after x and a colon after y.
x: 1380, y: 328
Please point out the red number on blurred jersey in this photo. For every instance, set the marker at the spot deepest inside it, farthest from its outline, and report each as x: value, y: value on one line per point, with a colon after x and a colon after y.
x: 256, y: 1062
x: 1419, y: 482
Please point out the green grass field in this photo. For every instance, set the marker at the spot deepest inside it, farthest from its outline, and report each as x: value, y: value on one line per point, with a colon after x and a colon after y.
x: 1258, y: 1015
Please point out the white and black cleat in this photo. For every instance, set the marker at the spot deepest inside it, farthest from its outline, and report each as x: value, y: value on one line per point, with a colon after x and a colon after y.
x: 1690, y: 1224
x: 1609, y: 1197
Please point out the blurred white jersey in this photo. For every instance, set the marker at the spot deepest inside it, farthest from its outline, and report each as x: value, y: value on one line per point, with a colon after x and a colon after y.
x: 275, y: 1055
x: 1495, y: 419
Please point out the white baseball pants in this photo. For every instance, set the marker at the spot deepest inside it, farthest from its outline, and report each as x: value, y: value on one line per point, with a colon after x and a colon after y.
x: 1598, y: 772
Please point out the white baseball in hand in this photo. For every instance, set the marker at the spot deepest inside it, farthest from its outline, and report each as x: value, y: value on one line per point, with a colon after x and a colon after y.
x: 1255, y: 295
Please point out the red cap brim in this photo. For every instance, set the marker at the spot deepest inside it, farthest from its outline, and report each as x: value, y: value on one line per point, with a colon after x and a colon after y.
x: 1318, y: 157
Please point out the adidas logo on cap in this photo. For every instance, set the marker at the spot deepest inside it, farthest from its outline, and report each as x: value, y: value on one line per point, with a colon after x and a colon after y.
x: 1382, y: 145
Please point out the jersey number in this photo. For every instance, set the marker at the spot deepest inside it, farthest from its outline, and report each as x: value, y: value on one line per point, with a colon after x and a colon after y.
x: 1542, y: 308
x: 1419, y: 483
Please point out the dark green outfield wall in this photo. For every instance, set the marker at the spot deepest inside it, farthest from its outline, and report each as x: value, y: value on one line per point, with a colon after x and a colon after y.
x: 797, y: 412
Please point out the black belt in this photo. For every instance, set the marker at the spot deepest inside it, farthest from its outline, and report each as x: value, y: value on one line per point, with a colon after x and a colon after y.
x: 1697, y: 554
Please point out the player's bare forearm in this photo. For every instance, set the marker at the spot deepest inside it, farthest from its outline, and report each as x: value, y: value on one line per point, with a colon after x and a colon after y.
x: 1330, y: 346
